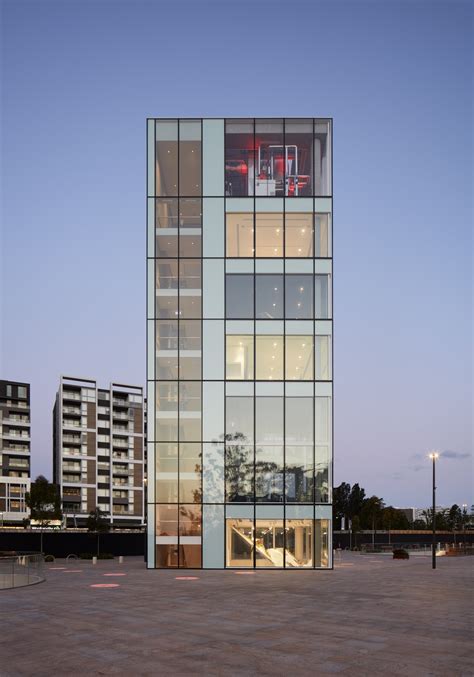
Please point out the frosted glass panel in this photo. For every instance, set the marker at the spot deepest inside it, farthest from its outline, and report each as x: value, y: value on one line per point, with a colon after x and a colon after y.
x: 213, y: 226
x: 213, y: 157
x: 213, y: 288
x: 213, y: 536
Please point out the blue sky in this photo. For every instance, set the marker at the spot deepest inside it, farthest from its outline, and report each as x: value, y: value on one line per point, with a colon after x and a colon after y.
x: 79, y: 79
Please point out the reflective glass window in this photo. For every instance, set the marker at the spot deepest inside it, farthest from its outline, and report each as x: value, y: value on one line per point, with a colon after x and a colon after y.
x: 299, y: 297
x: 299, y: 358
x: 269, y: 358
x: 166, y: 275
x: 190, y: 490
x: 239, y: 234
x: 239, y: 357
x: 190, y: 520
x: 299, y: 473
x: 298, y: 157
x: 269, y: 420
x: 269, y: 473
x: 239, y: 472
x: 239, y: 296
x: 166, y: 396
x: 239, y: 158
x: 269, y: 234
x: 299, y: 421
x: 269, y: 297
x: 239, y: 420
x: 190, y: 457
x: 167, y: 367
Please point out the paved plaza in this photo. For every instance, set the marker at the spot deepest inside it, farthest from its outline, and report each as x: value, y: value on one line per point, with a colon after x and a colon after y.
x: 370, y: 616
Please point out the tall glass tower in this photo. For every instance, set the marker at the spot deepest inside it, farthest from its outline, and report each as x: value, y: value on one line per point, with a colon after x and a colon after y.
x: 239, y: 347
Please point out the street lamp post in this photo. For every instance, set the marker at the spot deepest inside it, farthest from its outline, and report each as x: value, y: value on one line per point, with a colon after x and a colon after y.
x: 434, y: 456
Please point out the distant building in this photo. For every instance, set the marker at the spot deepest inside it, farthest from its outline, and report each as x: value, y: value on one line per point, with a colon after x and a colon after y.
x: 15, y: 448
x: 99, y: 451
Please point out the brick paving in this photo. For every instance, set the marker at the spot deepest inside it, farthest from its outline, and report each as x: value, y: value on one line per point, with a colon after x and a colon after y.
x: 370, y: 616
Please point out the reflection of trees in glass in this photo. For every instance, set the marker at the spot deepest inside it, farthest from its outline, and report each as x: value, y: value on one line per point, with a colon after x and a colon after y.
x: 299, y: 483
x: 321, y: 483
x: 239, y: 468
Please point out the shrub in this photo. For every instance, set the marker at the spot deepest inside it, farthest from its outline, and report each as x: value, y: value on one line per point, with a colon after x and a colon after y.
x: 400, y: 553
x: 49, y: 558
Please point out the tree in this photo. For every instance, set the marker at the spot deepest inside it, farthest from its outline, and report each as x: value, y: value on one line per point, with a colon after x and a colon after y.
x: 44, y: 503
x: 371, y: 512
x: 420, y: 525
x: 454, y: 517
x: 355, y: 501
x: 341, y: 502
x: 97, y: 523
x: 392, y: 518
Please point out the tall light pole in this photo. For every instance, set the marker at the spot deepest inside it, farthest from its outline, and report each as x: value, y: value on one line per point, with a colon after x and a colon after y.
x: 434, y: 457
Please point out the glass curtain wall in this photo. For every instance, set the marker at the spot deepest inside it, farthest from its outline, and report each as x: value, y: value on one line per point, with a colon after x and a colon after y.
x: 239, y: 215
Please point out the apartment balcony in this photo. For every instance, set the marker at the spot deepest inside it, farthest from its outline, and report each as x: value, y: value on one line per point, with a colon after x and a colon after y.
x: 119, y: 444
x: 121, y: 416
x: 16, y: 435
x: 16, y: 448
x: 68, y: 395
x: 122, y: 472
x: 11, y: 420
x: 71, y: 423
x: 72, y: 411
x: 20, y: 463
x: 120, y: 403
x: 72, y: 439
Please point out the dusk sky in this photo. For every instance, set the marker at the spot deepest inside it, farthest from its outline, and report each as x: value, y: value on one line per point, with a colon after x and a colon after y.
x: 78, y: 81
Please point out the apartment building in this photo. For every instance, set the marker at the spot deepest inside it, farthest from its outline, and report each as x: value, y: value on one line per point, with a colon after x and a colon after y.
x: 15, y: 449
x: 99, y: 451
x: 239, y: 309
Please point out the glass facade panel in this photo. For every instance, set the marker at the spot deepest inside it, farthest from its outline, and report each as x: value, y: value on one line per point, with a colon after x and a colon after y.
x: 270, y: 158
x: 240, y: 543
x: 269, y: 297
x: 269, y: 235
x: 166, y: 154
x: 239, y: 472
x: 299, y: 297
x: 239, y: 358
x: 239, y: 343
x: 299, y: 543
x: 190, y: 157
x: 299, y: 358
x: 298, y: 157
x: 239, y: 296
x: 322, y: 235
x: 269, y: 358
x: 298, y: 235
x: 239, y: 234
x: 239, y: 158
x: 322, y: 158
x: 269, y: 543
x: 269, y: 473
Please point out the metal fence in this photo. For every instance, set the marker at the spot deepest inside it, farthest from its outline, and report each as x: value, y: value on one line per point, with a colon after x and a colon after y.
x: 20, y: 569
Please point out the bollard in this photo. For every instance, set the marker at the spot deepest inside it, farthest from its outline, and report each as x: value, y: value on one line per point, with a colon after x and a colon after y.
x: 94, y: 560
x: 120, y: 559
